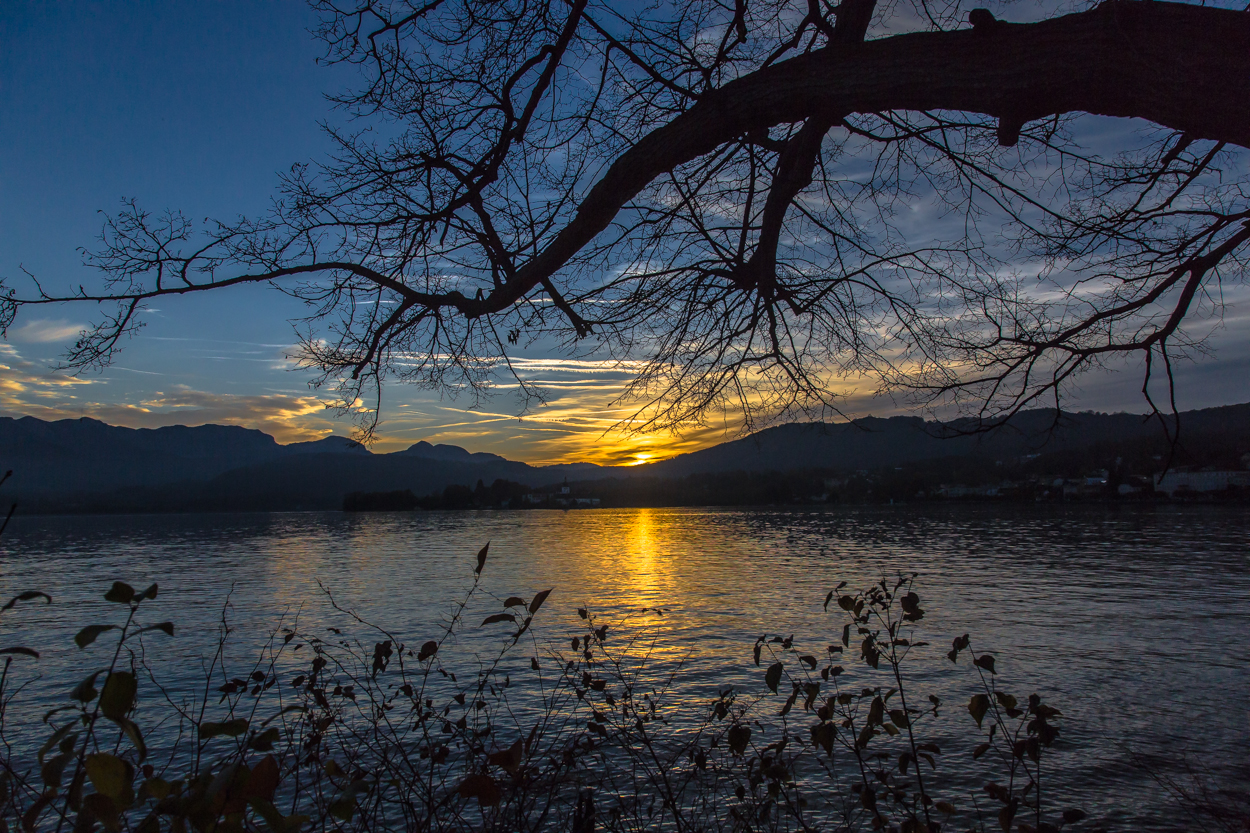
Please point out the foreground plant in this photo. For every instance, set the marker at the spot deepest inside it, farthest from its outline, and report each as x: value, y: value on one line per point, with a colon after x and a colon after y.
x: 364, y: 730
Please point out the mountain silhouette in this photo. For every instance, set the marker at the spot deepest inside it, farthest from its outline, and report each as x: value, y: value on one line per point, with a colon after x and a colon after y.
x: 873, y: 442
x: 86, y: 465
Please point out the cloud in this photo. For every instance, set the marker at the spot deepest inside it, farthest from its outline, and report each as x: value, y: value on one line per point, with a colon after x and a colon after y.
x: 30, y: 390
x: 286, y: 417
x: 41, y: 331
x: 582, y: 420
x: 22, y: 380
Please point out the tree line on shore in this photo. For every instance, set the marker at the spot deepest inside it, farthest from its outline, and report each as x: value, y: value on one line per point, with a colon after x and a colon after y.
x: 1105, y: 472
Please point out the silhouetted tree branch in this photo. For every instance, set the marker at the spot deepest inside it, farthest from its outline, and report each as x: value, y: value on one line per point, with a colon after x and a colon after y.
x: 727, y: 191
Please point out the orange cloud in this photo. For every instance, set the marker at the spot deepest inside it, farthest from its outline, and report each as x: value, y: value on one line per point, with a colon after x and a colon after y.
x: 30, y: 390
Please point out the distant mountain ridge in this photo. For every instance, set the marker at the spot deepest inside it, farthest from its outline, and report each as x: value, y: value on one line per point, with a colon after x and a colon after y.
x: 872, y: 442
x: 86, y: 465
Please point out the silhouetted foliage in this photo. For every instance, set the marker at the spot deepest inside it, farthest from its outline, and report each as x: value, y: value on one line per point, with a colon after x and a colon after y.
x: 728, y: 193
x: 361, y: 729
x: 357, y: 727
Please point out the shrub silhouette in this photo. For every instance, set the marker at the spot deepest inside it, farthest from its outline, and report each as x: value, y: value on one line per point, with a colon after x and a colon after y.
x: 362, y: 729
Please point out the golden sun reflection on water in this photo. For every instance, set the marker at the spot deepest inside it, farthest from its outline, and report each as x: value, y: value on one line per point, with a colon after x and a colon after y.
x: 650, y: 584
x: 651, y: 579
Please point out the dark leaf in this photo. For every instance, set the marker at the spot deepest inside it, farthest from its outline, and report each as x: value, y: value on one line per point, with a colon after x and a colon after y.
x: 538, y: 600
x: 269, y: 813
x: 109, y: 775
x: 31, y: 817
x: 19, y: 651
x: 54, y: 768
x: 1072, y: 816
x: 789, y: 704
x: 166, y: 628
x: 229, y: 729
x: 292, y: 708
x: 132, y: 731
x: 823, y: 736
x: 344, y: 807
x: 1005, y: 816
x: 978, y: 706
x: 772, y: 677
x: 263, y: 780
x: 870, y: 653
x: 57, y: 737
x: 118, y: 695
x: 428, y: 650
x: 482, y: 787
x: 85, y: 691
x: 481, y: 559
x: 958, y: 644
x: 507, y: 759
x: 157, y: 788
x: 738, y: 736
x: 264, y: 741
x: 514, y: 601
x: 88, y: 634
x: 984, y: 661
x: 498, y: 617
x: 99, y: 807
x: 120, y: 592
x: 876, y: 712
x: 26, y: 597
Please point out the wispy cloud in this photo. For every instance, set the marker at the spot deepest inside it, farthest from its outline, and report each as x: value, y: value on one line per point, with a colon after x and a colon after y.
x: 31, y: 390
x: 42, y: 331
x: 22, y: 381
x: 582, y: 420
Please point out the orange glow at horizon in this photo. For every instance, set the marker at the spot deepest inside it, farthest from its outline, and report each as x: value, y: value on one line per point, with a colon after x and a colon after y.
x: 584, y: 417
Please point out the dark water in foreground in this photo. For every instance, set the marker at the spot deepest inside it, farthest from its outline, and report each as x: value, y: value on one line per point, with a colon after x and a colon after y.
x: 1134, y: 621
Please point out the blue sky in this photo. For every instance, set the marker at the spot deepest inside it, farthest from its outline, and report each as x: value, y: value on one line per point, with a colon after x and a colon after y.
x: 196, y: 106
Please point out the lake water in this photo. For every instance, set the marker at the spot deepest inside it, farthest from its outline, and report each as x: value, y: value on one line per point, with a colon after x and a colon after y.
x: 1134, y: 621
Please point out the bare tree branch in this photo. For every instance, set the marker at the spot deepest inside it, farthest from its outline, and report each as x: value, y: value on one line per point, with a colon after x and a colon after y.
x: 723, y: 190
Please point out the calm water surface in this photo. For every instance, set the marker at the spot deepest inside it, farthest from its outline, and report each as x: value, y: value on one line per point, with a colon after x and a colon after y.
x: 1134, y: 621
